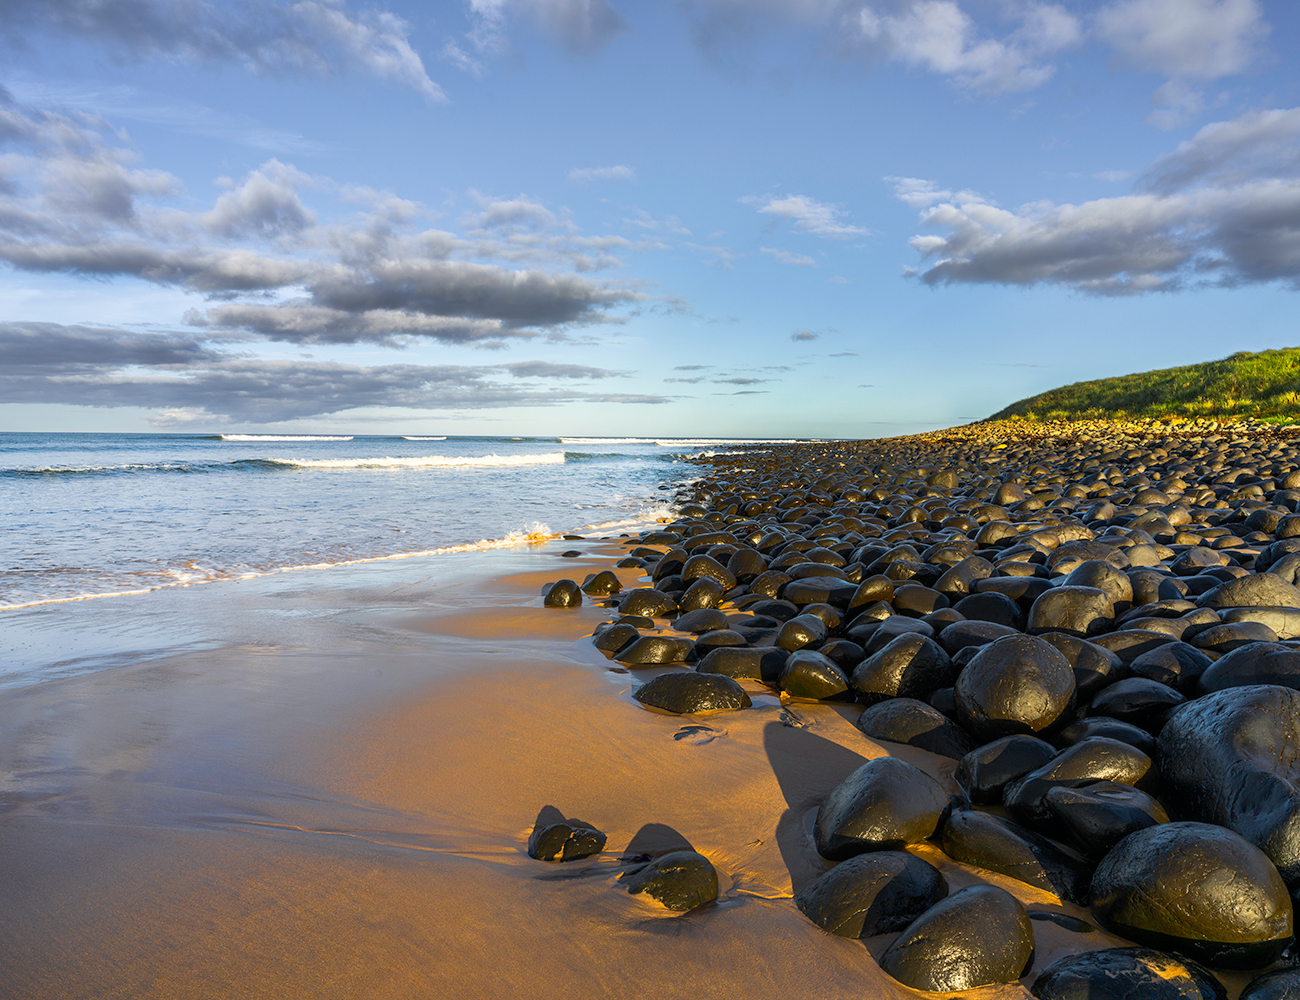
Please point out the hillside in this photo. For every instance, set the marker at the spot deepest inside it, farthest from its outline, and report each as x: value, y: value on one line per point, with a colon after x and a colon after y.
x: 1265, y: 386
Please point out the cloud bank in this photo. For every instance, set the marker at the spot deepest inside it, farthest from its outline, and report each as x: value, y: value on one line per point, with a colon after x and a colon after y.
x: 1223, y: 209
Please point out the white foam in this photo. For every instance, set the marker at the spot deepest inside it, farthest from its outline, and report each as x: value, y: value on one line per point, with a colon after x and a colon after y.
x: 413, y: 438
x: 607, y: 440
x: 285, y: 437
x: 705, y: 442
x: 427, y: 461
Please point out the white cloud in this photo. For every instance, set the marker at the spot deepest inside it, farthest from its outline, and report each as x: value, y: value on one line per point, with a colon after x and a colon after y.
x: 809, y: 215
x: 803, y: 335
x: 1194, y: 39
x: 618, y: 173
x: 1223, y: 209
x: 578, y: 25
x: 793, y: 259
x: 304, y: 36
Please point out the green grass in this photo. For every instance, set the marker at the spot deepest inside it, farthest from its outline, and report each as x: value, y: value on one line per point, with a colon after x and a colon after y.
x: 1263, y: 386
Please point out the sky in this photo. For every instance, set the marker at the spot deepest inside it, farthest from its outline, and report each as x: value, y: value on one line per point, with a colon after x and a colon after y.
x: 730, y: 218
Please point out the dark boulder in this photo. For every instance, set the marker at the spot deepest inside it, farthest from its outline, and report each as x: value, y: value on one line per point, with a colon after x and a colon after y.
x: 705, y: 592
x: 984, y: 772
x: 1138, y: 701
x: 884, y: 805
x: 1233, y: 758
x: 909, y: 666
x: 801, y: 631
x: 976, y: 937
x: 687, y: 692
x: 1081, y: 611
x: 701, y: 620
x: 1175, y: 664
x: 990, y: 606
x: 1017, y: 684
x: 914, y: 723
x: 567, y: 840
x: 759, y: 663
x: 1097, y: 816
x: 1284, y: 984
x: 698, y: 566
x: 1094, y: 666
x: 647, y: 602
x: 602, y: 584
x: 959, y: 635
x: 1257, y: 590
x: 809, y: 674
x: 1128, y: 974
x: 1197, y: 889
x: 562, y: 594
x: 986, y: 841
x: 680, y: 880
x: 1253, y: 664
x: 654, y: 650
x: 1111, y: 729
x: 616, y: 637
x: 872, y: 894
x: 1096, y: 759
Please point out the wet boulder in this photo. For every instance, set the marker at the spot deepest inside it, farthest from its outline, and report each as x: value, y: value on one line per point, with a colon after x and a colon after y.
x: 1198, y: 889
x: 1256, y: 590
x: 654, y: 650
x: 759, y: 663
x: 1097, y: 816
x: 1253, y: 664
x: 1176, y: 664
x: 647, y: 602
x: 809, y: 674
x: 1284, y: 984
x: 872, y: 894
x: 884, y: 805
x: 1128, y: 974
x: 616, y: 637
x: 914, y: 723
x: 962, y: 634
x: 1094, y: 666
x: 688, y: 692
x: 701, y: 620
x: 1233, y: 758
x: 1096, y: 759
x: 1111, y: 729
x: 1138, y: 701
x: 567, y: 840
x: 700, y: 565
x: 1080, y: 611
x: 1016, y: 684
x: 909, y: 666
x: 992, y: 607
x: 801, y: 631
x: 984, y: 772
x: 705, y: 592
x: 680, y: 880
x: 987, y: 841
x: 976, y: 937
x: 562, y: 594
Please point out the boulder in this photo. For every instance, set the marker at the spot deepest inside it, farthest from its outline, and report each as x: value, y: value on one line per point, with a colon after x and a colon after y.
x: 565, y: 841
x: 872, y: 894
x: 688, y: 692
x: 1128, y: 974
x: 909, y: 666
x: 987, y: 841
x: 884, y: 805
x: 1097, y: 816
x: 984, y: 772
x: 680, y: 880
x: 809, y: 674
x: 914, y: 723
x: 1198, y: 889
x: 562, y: 594
x: 1257, y: 590
x: 1016, y: 684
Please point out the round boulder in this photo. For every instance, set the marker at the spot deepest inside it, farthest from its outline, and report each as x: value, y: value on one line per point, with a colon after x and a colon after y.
x: 1127, y: 974
x: 1016, y: 684
x: 872, y: 894
x: 680, y: 880
x: 884, y: 805
x: 688, y: 693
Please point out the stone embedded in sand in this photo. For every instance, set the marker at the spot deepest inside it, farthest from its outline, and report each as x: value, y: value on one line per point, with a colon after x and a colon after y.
x: 602, y: 584
x: 872, y: 894
x: 562, y: 594
x: 1233, y: 758
x: 680, y: 880
x: 809, y: 674
x: 984, y: 772
x: 1128, y: 974
x: 701, y: 620
x: 1080, y: 611
x: 1017, y: 684
x: 983, y: 840
x: 759, y: 663
x: 976, y: 937
x: 654, y: 650
x: 914, y: 723
x: 615, y: 638
x: 566, y: 841
x: 1284, y: 984
x: 648, y: 603
x: 688, y: 692
x: 1196, y: 888
x: 1097, y: 816
x: 909, y: 666
x: 885, y: 804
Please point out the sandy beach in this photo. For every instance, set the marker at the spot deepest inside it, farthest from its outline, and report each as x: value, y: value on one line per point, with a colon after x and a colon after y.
x: 322, y: 784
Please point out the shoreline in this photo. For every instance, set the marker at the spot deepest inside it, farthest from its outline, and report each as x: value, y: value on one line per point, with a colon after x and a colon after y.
x: 324, y: 785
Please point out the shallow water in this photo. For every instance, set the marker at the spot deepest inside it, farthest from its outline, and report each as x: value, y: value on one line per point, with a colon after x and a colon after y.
x: 96, y: 514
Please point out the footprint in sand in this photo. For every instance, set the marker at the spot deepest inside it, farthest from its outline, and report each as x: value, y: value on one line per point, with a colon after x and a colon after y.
x: 698, y: 735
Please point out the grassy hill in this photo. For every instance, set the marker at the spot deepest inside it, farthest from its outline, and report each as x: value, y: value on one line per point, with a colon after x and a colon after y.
x: 1265, y: 386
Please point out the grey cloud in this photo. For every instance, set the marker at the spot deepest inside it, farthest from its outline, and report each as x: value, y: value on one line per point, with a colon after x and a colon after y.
x: 809, y: 215
x: 265, y: 205
x: 845, y: 354
x: 580, y: 26
x: 548, y: 369
x: 304, y: 323
x: 88, y: 366
x: 803, y: 335
x: 1201, y: 39
x: 54, y: 348
x: 617, y: 173
x: 1257, y: 144
x: 1223, y: 231
x: 690, y: 368
x: 307, y: 36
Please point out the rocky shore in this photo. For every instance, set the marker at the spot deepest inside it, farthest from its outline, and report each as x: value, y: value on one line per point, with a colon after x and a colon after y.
x: 1096, y: 624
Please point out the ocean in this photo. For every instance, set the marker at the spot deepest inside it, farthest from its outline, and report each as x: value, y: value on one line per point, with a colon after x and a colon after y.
x: 90, y: 515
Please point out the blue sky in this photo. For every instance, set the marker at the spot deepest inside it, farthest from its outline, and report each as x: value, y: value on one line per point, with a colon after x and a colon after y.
x: 704, y: 217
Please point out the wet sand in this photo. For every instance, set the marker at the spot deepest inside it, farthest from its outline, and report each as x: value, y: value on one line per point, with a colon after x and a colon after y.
x: 323, y: 786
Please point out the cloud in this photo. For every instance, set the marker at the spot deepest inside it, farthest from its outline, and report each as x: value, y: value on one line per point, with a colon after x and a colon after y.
x: 1221, y: 210
x: 809, y: 215
x: 580, y: 26
x: 313, y: 37
x: 939, y: 36
x: 175, y: 372
x: 803, y: 335
x: 793, y: 259
x: 1113, y: 176
x: 618, y: 173
x: 1193, y: 39
x: 721, y: 256
x: 845, y: 354
x: 73, y: 200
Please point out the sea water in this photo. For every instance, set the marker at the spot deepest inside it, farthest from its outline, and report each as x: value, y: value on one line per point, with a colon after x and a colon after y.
x: 89, y: 515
